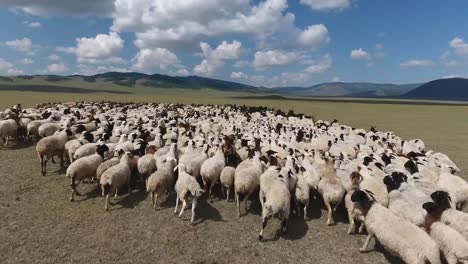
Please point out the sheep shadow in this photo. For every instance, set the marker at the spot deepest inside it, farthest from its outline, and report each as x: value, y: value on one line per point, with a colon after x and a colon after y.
x: 131, y: 200
x: 205, y: 211
x: 389, y: 257
x: 297, y: 229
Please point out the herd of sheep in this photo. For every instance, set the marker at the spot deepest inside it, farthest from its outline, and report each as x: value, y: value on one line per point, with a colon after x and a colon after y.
x: 406, y: 197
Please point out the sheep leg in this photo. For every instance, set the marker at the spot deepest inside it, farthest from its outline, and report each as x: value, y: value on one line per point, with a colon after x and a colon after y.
x: 53, y: 161
x: 366, y: 243
x: 116, y: 192
x: 222, y: 190
x: 107, y: 202
x: 264, y: 223
x: 45, y: 165
x: 330, y: 212
x: 152, y: 199
x: 184, y: 205
x: 73, y: 189
x: 238, y: 205
x: 305, y: 209
x: 227, y: 193
x: 284, y: 225
x: 362, y: 219
x: 176, y: 205
x: 246, y: 199
x: 351, y: 222
x: 41, y: 159
x: 61, y: 161
x: 209, y: 194
x: 194, y: 205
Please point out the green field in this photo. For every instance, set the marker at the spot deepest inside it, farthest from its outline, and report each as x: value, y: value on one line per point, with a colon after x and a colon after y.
x: 40, y: 224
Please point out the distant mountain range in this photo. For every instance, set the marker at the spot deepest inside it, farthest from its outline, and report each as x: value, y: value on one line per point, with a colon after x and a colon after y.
x: 442, y: 89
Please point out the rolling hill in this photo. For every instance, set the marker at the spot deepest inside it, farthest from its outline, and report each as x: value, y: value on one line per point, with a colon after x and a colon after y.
x: 442, y: 89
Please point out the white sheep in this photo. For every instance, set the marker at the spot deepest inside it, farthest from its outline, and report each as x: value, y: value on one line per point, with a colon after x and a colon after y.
x: 8, y: 129
x: 85, y: 168
x: 187, y: 186
x: 147, y: 164
x: 247, y: 179
x: 52, y: 146
x: 275, y: 197
x: 331, y: 190
x: 116, y: 177
x: 211, y: 170
x: 455, y: 219
x: 161, y: 181
x: 48, y: 129
x: 227, y: 180
x: 355, y: 211
x: 398, y: 236
x: 452, y: 244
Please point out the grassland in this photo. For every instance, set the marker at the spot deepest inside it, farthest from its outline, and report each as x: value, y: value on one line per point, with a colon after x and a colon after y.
x: 39, y: 224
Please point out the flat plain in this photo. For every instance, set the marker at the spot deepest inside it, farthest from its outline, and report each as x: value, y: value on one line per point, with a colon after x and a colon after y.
x: 40, y: 225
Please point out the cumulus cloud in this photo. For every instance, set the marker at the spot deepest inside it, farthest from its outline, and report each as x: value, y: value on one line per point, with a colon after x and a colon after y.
x: 101, y: 47
x: 69, y: 50
x: 314, y: 36
x: 32, y: 24
x: 238, y: 75
x: 57, y: 68
x: 61, y: 7
x: 157, y: 60
x: 327, y: 5
x: 54, y: 57
x: 417, y: 63
x: 179, y: 25
x: 274, y: 58
x: 359, y: 54
x: 26, y: 61
x: 7, y: 68
x: 24, y: 44
x: 321, y: 65
x: 459, y: 46
x: 214, y: 59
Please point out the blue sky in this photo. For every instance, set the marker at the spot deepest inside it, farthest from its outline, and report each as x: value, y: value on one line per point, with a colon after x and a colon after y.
x: 268, y: 43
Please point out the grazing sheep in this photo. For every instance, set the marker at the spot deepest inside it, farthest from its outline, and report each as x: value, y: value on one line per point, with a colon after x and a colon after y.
x: 106, y: 165
x: 276, y: 198
x: 52, y: 146
x: 400, y: 206
x: 397, y: 235
x: 211, y: 170
x: 85, y: 168
x: 331, y: 189
x: 85, y: 150
x: 247, y: 179
x: 161, y: 181
x: 147, y: 164
x: 8, y: 129
x: 455, y: 219
x: 187, y: 186
x: 452, y: 244
x: 48, y: 129
x: 227, y: 180
x: 116, y: 177
x: 355, y: 212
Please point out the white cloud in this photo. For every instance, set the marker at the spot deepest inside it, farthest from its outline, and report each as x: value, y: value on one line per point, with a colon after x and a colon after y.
x: 314, y: 36
x: 24, y: 44
x: 459, y: 46
x: 321, y: 65
x: 359, y: 54
x: 69, y: 50
x: 183, y: 72
x: 379, y: 52
x: 274, y: 58
x: 7, y: 68
x: 103, y: 46
x: 61, y: 7
x: 417, y: 63
x: 57, y: 68
x: 451, y: 63
x: 26, y: 61
x: 157, y: 60
x: 54, y: 57
x: 327, y: 5
x: 86, y: 69
x: 242, y: 64
x: 336, y: 79
x: 32, y: 24
x: 238, y: 75
x: 214, y: 59
x: 179, y: 25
